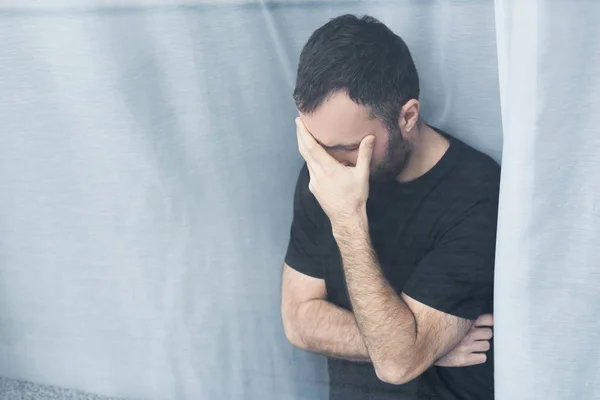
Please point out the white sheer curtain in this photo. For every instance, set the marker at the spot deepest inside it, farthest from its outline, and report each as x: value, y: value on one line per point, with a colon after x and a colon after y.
x: 147, y: 163
x: 547, y: 274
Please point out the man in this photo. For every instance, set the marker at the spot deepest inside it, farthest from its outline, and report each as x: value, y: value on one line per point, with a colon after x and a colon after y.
x: 392, y: 245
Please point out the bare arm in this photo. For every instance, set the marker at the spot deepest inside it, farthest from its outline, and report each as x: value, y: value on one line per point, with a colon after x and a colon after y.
x: 311, y: 323
x: 403, y: 337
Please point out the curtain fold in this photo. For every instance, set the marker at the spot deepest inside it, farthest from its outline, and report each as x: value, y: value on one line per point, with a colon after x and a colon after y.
x: 546, y: 268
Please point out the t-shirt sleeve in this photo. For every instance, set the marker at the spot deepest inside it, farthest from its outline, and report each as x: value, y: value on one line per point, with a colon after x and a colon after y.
x: 457, y: 275
x: 310, y: 246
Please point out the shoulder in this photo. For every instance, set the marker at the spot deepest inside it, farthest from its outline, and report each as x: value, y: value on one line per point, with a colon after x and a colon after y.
x: 468, y: 194
x: 478, y: 171
x: 474, y: 177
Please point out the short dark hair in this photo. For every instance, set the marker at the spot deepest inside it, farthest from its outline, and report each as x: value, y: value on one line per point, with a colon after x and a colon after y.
x: 359, y: 56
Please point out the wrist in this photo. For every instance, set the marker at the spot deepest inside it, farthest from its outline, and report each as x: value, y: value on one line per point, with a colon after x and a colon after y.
x: 351, y: 224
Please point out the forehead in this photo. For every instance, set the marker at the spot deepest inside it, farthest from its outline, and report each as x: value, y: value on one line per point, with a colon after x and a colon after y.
x: 339, y: 121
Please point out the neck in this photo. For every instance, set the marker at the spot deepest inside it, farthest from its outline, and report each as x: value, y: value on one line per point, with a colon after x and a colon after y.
x: 428, y: 147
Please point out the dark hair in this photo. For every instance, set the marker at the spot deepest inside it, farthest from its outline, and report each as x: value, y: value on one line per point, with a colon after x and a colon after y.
x: 362, y: 57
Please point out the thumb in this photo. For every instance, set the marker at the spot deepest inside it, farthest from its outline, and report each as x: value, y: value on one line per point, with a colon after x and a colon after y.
x: 365, y: 152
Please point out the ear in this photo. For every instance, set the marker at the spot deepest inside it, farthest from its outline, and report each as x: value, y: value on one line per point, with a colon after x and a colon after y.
x: 409, y: 116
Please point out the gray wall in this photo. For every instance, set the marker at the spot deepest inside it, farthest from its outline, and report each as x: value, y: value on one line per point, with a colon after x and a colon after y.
x: 147, y: 163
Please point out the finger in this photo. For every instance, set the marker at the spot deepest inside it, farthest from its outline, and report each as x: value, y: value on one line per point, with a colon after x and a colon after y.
x: 311, y: 172
x: 302, y: 146
x: 311, y: 165
x: 311, y: 149
x: 480, y: 346
x: 477, y: 358
x: 482, y: 334
x: 365, y: 153
x: 311, y: 175
x: 485, y: 320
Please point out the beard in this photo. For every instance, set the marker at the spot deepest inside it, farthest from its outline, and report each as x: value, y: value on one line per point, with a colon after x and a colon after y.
x: 396, y: 156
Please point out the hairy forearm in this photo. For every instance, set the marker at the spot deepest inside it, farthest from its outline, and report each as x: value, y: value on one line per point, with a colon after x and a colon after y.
x: 386, y: 323
x: 330, y: 330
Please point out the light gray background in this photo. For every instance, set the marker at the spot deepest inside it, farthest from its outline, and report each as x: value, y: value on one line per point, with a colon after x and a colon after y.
x: 147, y: 164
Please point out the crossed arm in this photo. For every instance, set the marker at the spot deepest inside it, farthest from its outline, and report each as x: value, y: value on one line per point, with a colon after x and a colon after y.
x: 403, y: 336
x: 399, y: 335
x: 311, y: 323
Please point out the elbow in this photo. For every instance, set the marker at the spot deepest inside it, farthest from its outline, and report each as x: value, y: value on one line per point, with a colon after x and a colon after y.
x: 292, y: 334
x: 395, y: 373
x: 294, y: 338
x: 393, y: 376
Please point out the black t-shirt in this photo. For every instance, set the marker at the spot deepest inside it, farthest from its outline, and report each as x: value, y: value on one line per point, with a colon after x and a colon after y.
x: 435, y: 240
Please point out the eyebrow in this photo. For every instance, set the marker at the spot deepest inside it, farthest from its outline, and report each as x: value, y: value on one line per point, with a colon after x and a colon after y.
x: 351, y: 146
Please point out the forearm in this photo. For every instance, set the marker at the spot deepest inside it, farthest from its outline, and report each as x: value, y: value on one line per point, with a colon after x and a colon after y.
x: 330, y: 330
x: 386, y: 323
